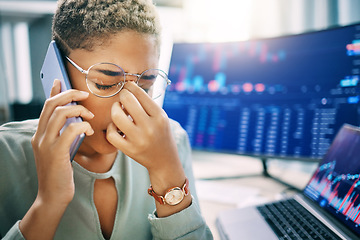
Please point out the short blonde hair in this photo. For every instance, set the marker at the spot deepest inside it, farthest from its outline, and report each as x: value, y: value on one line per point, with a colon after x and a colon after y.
x: 84, y: 24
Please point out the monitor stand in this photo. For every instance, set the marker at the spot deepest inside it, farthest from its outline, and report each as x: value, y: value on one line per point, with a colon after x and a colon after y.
x: 265, y: 173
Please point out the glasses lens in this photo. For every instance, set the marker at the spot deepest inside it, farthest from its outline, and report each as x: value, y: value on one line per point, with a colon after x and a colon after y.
x: 105, y: 79
x: 154, y: 82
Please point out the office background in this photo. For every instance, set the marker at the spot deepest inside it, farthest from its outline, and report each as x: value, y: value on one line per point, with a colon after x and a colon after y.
x: 25, y: 30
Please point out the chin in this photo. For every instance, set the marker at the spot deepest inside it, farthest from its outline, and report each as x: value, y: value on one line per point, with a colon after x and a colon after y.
x: 105, y: 149
x: 99, y: 144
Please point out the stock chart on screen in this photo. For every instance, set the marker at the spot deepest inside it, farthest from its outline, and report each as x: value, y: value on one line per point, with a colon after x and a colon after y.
x: 335, y: 184
x: 279, y: 97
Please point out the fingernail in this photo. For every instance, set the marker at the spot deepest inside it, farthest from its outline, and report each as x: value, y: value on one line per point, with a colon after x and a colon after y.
x: 91, y: 131
x: 91, y: 114
x: 55, y: 81
x: 85, y: 94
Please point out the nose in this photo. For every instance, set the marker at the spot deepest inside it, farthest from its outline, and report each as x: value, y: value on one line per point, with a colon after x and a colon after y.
x: 131, y: 77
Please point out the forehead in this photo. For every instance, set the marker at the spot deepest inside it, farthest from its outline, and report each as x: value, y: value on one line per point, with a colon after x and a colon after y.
x: 133, y: 51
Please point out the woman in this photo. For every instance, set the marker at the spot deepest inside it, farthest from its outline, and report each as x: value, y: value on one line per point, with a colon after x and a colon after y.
x: 130, y: 143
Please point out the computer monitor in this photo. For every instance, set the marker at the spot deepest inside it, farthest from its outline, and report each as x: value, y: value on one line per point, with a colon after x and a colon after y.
x: 283, y: 97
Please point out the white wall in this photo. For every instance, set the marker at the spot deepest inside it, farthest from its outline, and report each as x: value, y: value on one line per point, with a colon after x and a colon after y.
x: 233, y: 20
x: 185, y: 21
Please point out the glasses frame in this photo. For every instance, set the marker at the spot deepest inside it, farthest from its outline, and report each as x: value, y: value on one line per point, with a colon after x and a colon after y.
x: 86, y: 72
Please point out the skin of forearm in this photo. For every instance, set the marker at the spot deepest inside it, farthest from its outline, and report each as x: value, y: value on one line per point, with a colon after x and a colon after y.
x: 41, y: 221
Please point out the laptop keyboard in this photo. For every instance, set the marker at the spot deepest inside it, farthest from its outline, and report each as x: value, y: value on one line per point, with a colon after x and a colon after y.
x: 290, y: 220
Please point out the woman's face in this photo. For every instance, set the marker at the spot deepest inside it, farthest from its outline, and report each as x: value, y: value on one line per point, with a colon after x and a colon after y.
x: 133, y: 52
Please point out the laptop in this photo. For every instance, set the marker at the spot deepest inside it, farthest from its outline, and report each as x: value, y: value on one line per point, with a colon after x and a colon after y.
x: 327, y: 208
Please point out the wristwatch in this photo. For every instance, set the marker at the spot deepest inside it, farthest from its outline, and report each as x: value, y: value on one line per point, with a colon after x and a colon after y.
x: 173, y: 196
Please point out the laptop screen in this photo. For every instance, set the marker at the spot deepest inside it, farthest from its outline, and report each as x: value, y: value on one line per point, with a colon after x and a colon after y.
x: 335, y: 185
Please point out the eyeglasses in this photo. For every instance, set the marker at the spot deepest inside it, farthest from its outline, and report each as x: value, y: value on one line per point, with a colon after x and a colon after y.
x: 107, y: 79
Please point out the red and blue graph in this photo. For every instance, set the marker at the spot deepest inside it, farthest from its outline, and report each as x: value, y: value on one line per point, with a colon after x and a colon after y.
x: 335, y: 185
x: 218, y: 59
x: 326, y: 183
x: 353, y: 49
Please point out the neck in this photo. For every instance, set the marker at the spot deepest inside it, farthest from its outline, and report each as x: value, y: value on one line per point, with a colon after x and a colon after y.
x: 96, y: 162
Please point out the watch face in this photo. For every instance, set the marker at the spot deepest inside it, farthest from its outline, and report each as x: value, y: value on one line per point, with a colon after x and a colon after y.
x: 174, y: 196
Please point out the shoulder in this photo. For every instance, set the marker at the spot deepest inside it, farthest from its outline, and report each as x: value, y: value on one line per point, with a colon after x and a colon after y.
x: 18, y: 171
x: 180, y: 135
x: 182, y: 142
x: 15, y: 138
x: 28, y: 126
x: 178, y: 131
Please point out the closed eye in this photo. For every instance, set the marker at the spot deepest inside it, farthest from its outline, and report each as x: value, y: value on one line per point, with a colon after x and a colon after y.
x: 104, y: 87
x: 149, y: 77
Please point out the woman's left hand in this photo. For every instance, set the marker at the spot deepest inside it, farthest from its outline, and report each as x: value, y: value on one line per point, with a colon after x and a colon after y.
x: 147, y: 138
x: 147, y: 135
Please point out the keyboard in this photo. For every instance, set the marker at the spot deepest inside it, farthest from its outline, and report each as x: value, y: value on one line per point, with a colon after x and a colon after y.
x: 290, y: 220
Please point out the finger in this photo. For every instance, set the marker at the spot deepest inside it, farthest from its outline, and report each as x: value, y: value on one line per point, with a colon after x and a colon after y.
x: 120, y: 118
x: 133, y: 107
x: 116, y: 139
x: 72, y: 131
x: 150, y: 107
x: 60, y: 116
x: 56, y: 88
x: 58, y: 100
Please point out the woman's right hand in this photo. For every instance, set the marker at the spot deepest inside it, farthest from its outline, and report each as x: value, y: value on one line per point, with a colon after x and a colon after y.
x: 52, y: 158
x: 51, y: 150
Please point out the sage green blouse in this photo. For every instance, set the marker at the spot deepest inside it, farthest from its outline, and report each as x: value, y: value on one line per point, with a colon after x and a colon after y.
x: 135, y: 214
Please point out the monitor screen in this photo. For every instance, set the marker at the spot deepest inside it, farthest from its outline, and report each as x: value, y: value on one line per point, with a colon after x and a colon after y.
x: 283, y: 97
x: 334, y: 185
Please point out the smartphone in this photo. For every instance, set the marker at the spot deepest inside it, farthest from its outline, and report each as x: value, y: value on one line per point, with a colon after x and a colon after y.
x: 54, y: 68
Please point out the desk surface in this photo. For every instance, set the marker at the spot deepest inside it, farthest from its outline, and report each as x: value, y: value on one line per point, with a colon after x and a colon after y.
x: 243, y: 173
